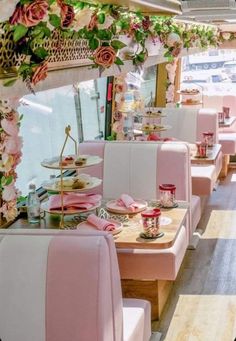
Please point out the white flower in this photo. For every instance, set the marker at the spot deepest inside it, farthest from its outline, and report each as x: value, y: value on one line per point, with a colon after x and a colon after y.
x: 7, y: 8
x: 107, y: 23
x: 172, y: 39
x: 82, y: 18
x: 226, y: 35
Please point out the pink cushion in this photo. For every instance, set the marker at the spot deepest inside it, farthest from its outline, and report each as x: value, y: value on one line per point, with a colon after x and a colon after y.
x: 228, y: 143
x: 203, y: 179
x: 153, y: 264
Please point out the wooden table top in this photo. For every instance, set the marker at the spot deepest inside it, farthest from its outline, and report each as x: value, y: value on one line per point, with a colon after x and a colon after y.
x: 227, y: 122
x: 212, y: 155
x: 129, y: 236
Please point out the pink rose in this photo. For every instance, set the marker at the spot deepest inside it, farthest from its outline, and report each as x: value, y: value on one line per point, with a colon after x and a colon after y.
x: 40, y: 73
x: 67, y: 15
x: 13, y: 144
x: 93, y: 22
x: 34, y: 12
x: 105, y: 56
x: 9, y: 193
x: 146, y: 23
x: 17, y: 16
x: 9, y: 127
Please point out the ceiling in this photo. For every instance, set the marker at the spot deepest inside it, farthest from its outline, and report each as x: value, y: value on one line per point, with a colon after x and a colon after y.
x: 218, y: 12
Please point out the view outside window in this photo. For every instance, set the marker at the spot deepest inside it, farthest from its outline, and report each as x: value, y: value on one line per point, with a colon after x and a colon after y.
x: 214, y: 72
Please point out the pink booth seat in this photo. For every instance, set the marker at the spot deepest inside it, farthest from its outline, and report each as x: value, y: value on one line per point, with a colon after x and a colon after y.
x: 59, y: 286
x: 137, y: 168
x: 207, y: 120
x: 203, y: 179
x: 228, y: 143
x: 230, y: 102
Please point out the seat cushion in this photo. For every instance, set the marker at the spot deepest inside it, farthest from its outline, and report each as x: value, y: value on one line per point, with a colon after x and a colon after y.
x: 153, y: 264
x: 228, y: 143
x: 203, y: 179
x: 136, y: 320
x: 196, y: 212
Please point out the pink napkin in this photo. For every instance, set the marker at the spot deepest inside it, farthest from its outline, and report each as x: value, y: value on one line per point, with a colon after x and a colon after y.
x: 127, y: 201
x: 100, y: 223
x: 74, y: 201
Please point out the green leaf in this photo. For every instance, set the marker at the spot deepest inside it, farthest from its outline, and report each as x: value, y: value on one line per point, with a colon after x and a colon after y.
x: 117, y: 44
x: 104, y: 35
x: 101, y: 18
x: 8, y: 180
x: 93, y: 43
x: 41, y: 52
x: 10, y: 82
x: 55, y: 20
x: 118, y: 61
x: 19, y: 32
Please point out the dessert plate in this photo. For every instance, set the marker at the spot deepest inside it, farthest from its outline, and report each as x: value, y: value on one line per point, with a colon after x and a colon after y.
x: 45, y: 207
x: 118, y: 226
x: 54, y: 163
x: 55, y: 185
x: 112, y: 206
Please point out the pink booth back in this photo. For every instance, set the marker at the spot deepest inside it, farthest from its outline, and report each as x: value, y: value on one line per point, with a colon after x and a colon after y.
x: 138, y: 168
x: 59, y: 287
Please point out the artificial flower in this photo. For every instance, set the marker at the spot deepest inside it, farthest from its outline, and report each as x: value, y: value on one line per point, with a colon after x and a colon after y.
x: 107, y: 23
x: 9, y: 127
x: 30, y: 14
x: 13, y: 144
x: 40, y: 73
x: 9, y: 192
x: 67, y: 15
x: 105, y: 56
x: 172, y: 39
x: 82, y: 18
x: 93, y: 22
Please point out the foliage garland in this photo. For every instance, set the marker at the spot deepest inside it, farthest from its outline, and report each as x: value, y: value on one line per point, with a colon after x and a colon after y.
x: 33, y: 21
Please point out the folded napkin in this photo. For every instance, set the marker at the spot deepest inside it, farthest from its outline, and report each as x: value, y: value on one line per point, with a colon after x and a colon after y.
x: 74, y: 201
x: 127, y: 201
x: 101, y: 224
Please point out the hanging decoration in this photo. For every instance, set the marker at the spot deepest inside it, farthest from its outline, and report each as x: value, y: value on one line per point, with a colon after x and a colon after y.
x: 30, y: 24
x: 10, y: 157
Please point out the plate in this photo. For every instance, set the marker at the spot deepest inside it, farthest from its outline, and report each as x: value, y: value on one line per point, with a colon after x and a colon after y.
x: 53, y: 163
x: 156, y: 129
x: 118, y: 226
x: 112, y: 206
x: 92, y: 182
x: 45, y: 207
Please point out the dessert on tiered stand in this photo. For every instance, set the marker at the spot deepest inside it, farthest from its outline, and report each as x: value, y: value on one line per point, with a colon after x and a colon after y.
x: 190, y: 97
x: 67, y: 198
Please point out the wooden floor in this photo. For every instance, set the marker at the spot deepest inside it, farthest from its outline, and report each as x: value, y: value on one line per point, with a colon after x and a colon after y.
x: 202, y: 306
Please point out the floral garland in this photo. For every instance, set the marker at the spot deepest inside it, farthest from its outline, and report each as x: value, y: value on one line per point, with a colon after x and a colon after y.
x: 10, y: 157
x: 33, y: 21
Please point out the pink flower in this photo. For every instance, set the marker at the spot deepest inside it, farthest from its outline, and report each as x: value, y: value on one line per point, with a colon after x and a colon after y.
x: 146, y: 23
x: 93, y: 22
x: 34, y: 12
x: 9, y: 192
x: 9, y: 127
x: 105, y: 56
x: 67, y: 15
x: 9, y: 210
x: 13, y: 144
x: 40, y: 73
x: 17, y: 16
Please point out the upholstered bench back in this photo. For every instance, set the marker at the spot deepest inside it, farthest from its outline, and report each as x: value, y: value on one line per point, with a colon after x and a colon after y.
x: 138, y: 168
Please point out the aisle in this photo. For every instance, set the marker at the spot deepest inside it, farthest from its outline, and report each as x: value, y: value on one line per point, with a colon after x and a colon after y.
x: 202, y: 306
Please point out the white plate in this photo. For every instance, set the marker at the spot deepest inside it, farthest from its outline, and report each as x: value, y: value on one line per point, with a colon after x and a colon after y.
x: 45, y: 207
x: 118, y: 226
x: 54, y: 162
x: 112, y: 206
x: 92, y: 182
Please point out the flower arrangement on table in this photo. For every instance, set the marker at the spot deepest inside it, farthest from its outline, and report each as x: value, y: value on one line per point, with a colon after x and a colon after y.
x: 32, y: 23
x: 10, y: 157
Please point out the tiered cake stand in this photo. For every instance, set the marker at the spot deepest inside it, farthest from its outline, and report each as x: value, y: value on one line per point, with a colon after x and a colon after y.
x: 56, y: 163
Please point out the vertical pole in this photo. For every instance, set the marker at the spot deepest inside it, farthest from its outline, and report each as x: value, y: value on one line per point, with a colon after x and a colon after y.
x: 161, y: 83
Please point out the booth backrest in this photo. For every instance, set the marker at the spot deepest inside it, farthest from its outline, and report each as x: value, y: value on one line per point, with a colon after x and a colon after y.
x: 189, y: 124
x: 138, y: 168
x: 57, y: 287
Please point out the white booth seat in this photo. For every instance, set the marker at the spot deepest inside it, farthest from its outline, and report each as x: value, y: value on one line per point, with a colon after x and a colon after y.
x: 228, y: 143
x: 65, y: 286
x: 138, y: 168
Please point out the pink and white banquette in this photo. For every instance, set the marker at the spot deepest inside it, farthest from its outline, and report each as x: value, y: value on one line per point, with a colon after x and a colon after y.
x: 58, y: 286
x: 188, y: 125
x: 138, y: 168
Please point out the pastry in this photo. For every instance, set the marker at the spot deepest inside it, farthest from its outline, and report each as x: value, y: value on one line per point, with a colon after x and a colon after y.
x: 69, y: 160
x: 63, y: 163
x: 81, y: 161
x: 79, y: 184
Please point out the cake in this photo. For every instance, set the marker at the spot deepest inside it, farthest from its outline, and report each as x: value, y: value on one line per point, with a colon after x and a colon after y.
x: 80, y: 161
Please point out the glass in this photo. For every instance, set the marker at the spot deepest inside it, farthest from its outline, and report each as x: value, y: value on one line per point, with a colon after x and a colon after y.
x: 201, y: 149
x: 208, y: 138
x: 167, y: 195
x: 151, y: 223
x: 226, y: 112
x: 221, y: 117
